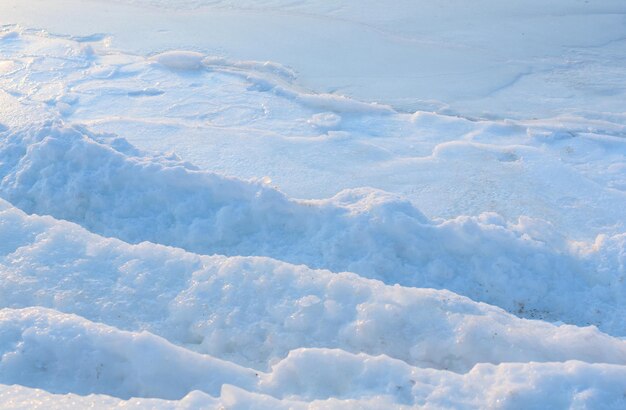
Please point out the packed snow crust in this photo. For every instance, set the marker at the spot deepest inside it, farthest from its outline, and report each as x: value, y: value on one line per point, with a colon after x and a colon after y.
x: 439, y: 261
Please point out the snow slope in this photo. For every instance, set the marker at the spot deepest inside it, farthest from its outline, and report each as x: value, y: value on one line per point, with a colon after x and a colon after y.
x: 104, y: 184
x: 255, y: 311
x: 261, y: 313
x: 277, y: 307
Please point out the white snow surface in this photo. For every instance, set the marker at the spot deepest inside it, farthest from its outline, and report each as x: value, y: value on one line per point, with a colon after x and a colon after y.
x: 251, y: 120
x: 264, y: 315
x: 519, y: 58
x: 254, y: 310
x: 202, y: 205
x: 111, y: 188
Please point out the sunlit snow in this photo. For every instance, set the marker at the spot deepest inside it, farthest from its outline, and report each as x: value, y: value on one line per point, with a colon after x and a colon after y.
x: 288, y: 204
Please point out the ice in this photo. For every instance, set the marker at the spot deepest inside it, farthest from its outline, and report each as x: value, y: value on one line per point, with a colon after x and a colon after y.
x: 519, y: 59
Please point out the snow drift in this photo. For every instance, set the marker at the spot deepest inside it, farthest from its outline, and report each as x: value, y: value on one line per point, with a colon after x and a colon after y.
x: 64, y: 353
x: 113, y: 189
x: 253, y: 311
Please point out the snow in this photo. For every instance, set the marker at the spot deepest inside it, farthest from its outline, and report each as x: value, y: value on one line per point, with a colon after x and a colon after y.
x: 256, y: 312
x: 64, y: 353
x: 106, y: 185
x: 511, y: 59
x: 180, y: 60
x: 288, y: 204
x: 250, y: 120
x: 197, y: 300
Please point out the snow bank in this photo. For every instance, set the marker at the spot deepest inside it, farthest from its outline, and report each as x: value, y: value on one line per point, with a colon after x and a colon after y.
x: 64, y: 353
x: 113, y: 189
x: 24, y: 398
x: 253, y: 311
x: 45, y: 349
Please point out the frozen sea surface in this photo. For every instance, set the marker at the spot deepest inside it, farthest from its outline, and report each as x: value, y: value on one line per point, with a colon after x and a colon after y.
x: 286, y: 204
x: 520, y: 59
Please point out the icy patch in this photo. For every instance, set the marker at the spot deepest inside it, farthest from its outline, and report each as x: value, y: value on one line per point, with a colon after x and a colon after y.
x: 270, y: 67
x: 486, y: 59
x: 146, y: 92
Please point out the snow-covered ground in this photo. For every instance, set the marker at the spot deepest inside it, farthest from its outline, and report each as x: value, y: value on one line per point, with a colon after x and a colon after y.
x: 288, y: 204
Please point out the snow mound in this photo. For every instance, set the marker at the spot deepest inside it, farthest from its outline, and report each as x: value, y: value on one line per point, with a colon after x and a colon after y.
x: 25, y: 398
x: 253, y: 310
x: 45, y: 349
x: 113, y: 189
x: 180, y: 60
x: 64, y: 353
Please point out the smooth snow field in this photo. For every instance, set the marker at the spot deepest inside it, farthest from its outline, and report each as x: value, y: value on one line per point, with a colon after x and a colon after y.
x: 235, y: 204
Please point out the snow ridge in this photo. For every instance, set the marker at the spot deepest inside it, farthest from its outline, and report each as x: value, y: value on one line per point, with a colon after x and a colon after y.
x: 253, y: 310
x: 113, y: 189
x: 124, y: 365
